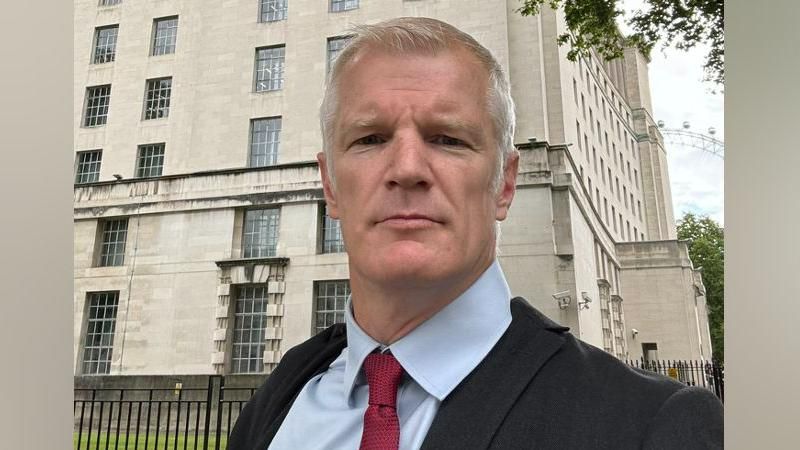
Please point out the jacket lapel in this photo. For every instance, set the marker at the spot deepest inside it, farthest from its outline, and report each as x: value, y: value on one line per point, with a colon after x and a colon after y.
x: 470, y: 416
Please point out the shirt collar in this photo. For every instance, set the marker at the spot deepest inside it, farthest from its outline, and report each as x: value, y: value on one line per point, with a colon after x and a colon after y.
x: 444, y: 349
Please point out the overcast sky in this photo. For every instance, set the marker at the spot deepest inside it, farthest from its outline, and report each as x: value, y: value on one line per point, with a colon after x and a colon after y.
x: 679, y: 95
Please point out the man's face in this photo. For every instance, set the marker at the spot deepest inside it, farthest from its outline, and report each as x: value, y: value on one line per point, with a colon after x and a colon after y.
x: 414, y: 156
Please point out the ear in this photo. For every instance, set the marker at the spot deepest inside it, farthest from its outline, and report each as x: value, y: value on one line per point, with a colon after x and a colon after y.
x: 327, y: 187
x: 508, y: 187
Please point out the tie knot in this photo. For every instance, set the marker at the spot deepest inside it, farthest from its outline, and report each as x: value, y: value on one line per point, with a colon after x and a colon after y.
x: 383, y: 376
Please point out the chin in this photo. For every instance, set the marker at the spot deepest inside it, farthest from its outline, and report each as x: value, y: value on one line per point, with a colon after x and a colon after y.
x: 406, y: 262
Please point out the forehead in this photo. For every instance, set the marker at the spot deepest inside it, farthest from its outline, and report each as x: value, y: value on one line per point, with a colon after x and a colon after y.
x: 449, y: 79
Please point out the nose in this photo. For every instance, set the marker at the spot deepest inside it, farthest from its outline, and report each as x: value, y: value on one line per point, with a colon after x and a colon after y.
x: 409, y: 163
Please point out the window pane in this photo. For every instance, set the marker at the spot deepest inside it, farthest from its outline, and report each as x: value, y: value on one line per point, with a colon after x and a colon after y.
x: 105, y: 44
x: 335, y: 46
x: 250, y: 321
x: 165, y: 35
x: 269, y: 68
x: 157, y: 96
x: 265, y: 141
x: 88, y: 168
x: 330, y: 303
x: 113, y: 242
x: 150, y: 162
x: 272, y: 10
x: 97, y: 101
x: 332, y: 241
x: 343, y: 5
x: 99, y: 342
x: 260, y: 233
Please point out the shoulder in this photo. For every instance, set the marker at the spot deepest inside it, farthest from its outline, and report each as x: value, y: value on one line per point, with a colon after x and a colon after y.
x: 611, y: 401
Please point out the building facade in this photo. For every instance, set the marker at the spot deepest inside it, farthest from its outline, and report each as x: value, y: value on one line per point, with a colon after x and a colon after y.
x: 201, y: 240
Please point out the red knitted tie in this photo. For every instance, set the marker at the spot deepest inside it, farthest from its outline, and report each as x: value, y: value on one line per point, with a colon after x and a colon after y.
x: 381, y: 426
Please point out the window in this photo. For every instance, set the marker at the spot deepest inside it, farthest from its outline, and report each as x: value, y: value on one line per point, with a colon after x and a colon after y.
x: 602, y: 169
x: 110, y: 2
x: 97, y: 100
x: 575, y: 91
x: 578, y: 129
x: 165, y: 33
x: 260, y: 233
x: 265, y: 141
x: 605, y: 208
x: 628, y: 229
x: 105, y: 44
x: 150, y: 162
x: 597, y: 196
x: 332, y: 241
x: 616, y: 180
x: 628, y: 163
x: 625, y: 195
x: 335, y: 46
x: 583, y: 107
x: 636, y: 177
x: 269, y: 68
x: 591, y: 121
x: 112, y: 247
x: 590, y: 184
x: 249, y: 329
x: 620, y: 158
x: 639, y: 209
x: 331, y: 297
x: 614, y: 217
x: 631, y: 202
x: 635, y: 233
x: 343, y: 5
x: 581, y: 172
x: 594, y: 157
x: 88, y: 166
x: 101, y: 321
x: 272, y: 10
x: 611, y: 186
x: 649, y: 351
x: 621, y: 230
x: 156, y: 98
x: 586, y: 144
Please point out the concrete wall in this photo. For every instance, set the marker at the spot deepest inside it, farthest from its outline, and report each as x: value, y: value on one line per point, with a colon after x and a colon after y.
x: 659, y: 288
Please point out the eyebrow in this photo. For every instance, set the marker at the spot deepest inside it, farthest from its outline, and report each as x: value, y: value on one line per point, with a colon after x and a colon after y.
x: 440, y: 121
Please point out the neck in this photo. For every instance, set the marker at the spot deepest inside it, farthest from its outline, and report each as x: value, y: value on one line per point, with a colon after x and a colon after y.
x: 389, y: 312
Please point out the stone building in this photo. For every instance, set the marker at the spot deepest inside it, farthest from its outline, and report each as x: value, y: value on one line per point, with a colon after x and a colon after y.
x: 201, y: 240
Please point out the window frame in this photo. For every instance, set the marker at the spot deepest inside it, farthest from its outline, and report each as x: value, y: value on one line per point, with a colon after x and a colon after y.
x: 154, y: 46
x: 335, y: 313
x: 152, y: 169
x: 103, y: 106
x: 94, y: 174
x: 266, y: 247
x: 106, y: 336
x: 327, y: 226
x: 238, y: 321
x: 345, y: 5
x: 271, y: 84
x: 156, y: 108
x: 96, y: 42
x: 279, y: 12
x: 104, y: 257
x: 272, y: 147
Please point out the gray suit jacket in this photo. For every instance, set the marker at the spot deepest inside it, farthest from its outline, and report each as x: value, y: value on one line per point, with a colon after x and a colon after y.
x: 539, y: 388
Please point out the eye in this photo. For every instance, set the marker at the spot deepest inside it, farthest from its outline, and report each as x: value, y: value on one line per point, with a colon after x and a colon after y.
x: 372, y: 139
x: 448, y: 141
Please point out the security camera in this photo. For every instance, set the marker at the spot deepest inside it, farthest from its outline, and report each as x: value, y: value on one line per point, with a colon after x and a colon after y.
x: 634, y: 332
x: 117, y: 176
x: 563, y: 298
x: 585, y: 300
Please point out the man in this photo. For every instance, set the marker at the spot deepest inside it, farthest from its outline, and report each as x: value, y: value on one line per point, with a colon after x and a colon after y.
x: 419, y: 166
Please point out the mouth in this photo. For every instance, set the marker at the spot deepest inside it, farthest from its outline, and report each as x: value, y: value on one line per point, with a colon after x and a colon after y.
x: 409, y: 221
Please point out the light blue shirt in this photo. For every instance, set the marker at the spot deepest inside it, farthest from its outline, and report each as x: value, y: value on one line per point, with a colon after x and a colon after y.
x: 329, y: 411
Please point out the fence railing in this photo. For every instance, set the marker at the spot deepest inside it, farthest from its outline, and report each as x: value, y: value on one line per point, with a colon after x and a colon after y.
x: 707, y: 374
x: 203, y: 417
x: 179, y: 418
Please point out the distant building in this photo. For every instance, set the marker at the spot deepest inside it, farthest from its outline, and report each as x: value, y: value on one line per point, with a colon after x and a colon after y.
x: 212, y: 252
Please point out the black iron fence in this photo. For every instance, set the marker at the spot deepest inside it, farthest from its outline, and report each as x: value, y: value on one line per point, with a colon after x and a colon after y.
x: 707, y: 374
x: 202, y: 417
x: 177, y: 418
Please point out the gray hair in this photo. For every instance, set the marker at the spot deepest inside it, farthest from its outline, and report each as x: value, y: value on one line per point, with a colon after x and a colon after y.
x: 409, y: 35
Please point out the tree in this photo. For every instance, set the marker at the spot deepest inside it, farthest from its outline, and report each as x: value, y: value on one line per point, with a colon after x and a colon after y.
x: 684, y: 23
x: 707, y: 250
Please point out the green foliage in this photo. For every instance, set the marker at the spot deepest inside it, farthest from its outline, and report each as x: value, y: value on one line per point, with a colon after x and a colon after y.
x: 707, y: 250
x: 684, y: 23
